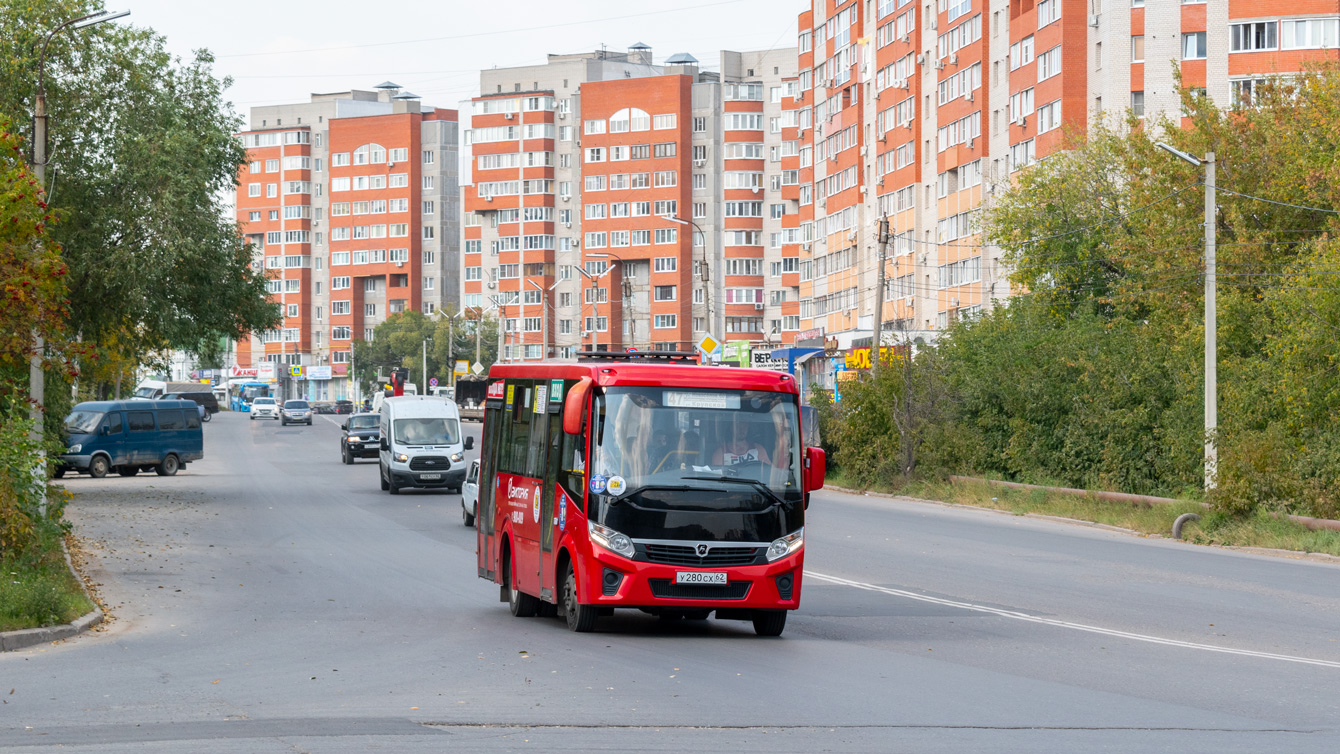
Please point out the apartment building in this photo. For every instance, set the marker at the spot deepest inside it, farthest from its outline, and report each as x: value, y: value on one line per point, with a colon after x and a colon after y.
x: 616, y: 203
x: 919, y: 111
x: 352, y: 204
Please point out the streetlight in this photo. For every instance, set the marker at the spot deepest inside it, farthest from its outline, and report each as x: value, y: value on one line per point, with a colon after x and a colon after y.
x: 544, y: 313
x: 595, y: 313
x: 625, y: 293
x: 707, y: 289
x: 36, y: 378
x: 1211, y: 315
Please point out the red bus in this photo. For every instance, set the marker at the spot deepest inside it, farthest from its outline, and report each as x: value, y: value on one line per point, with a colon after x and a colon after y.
x: 644, y: 481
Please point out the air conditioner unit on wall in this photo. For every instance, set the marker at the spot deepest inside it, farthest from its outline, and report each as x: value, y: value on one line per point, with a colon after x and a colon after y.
x: 508, y: 116
x: 758, y: 307
x: 939, y: 63
x: 953, y: 59
x: 562, y: 116
x: 492, y: 285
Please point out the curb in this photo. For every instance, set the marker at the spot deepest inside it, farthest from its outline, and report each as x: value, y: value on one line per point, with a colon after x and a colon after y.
x: 27, y: 637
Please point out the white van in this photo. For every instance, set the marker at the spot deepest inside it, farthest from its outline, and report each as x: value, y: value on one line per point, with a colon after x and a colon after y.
x: 421, y: 444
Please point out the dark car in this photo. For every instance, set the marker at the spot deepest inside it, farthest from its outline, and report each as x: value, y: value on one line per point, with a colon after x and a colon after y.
x: 344, y: 407
x: 323, y: 407
x: 204, y: 398
x: 361, y: 437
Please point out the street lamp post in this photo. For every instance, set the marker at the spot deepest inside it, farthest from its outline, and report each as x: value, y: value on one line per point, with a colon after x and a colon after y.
x: 595, y: 313
x: 703, y: 271
x: 544, y: 314
x: 1211, y: 315
x: 36, y: 377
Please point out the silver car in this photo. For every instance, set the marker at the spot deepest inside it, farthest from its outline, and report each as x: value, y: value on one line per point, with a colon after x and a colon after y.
x: 470, y: 494
x: 264, y: 408
x: 296, y: 412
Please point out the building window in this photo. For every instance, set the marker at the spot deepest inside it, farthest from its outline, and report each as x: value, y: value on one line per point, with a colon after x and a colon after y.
x: 1309, y: 33
x: 1138, y: 48
x: 369, y: 310
x: 1193, y: 46
x: 665, y: 293
x: 700, y: 125
x: 1253, y: 37
x: 666, y: 264
x: 664, y: 321
x: 1138, y: 104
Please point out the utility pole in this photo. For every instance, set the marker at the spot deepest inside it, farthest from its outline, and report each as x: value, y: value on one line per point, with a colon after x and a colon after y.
x: 875, y: 349
x: 423, y: 385
x: 479, y: 327
x: 1211, y: 330
x: 1211, y: 314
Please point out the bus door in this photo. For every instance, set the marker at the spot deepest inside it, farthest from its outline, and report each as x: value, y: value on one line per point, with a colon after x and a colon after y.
x: 549, y: 520
x: 489, y: 453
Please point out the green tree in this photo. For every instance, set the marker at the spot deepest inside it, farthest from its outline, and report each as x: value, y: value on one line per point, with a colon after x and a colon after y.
x: 142, y: 159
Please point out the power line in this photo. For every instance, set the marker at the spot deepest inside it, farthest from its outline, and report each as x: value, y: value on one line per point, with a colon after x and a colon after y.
x: 484, y: 33
x: 1280, y: 204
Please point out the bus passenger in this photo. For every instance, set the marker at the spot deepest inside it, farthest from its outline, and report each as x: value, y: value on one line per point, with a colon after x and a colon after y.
x: 739, y: 448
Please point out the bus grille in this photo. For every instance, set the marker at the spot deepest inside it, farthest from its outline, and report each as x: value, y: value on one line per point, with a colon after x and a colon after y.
x: 667, y: 589
x: 716, y: 557
x: 429, y: 463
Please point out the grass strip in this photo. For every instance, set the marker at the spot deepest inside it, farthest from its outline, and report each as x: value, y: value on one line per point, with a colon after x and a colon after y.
x: 37, y: 588
x: 1258, y: 530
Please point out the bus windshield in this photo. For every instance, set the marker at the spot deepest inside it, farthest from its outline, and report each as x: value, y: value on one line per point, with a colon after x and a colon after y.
x: 686, y: 438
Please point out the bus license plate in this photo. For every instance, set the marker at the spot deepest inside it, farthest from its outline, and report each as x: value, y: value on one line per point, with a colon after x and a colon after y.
x: 430, y: 476
x: 700, y: 577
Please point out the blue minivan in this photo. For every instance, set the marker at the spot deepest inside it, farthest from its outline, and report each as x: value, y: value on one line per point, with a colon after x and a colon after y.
x: 131, y: 436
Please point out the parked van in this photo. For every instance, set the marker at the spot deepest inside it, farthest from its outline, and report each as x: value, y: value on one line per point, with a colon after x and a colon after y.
x: 156, y: 389
x: 131, y: 436
x: 421, y: 444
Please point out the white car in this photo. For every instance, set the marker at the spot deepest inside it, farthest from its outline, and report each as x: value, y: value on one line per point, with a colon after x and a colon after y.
x: 470, y: 494
x: 264, y: 408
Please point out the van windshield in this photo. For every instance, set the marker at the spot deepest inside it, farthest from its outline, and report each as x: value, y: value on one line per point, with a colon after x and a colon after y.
x: 146, y: 392
x: 427, y: 431
x: 82, y: 422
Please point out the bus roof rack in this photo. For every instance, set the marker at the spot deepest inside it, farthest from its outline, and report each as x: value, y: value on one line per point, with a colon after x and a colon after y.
x: 673, y: 357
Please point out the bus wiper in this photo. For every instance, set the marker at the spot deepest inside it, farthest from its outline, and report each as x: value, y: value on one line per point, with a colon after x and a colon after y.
x: 765, y: 489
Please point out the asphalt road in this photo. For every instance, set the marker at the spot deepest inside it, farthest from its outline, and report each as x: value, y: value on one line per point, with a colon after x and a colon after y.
x: 270, y: 599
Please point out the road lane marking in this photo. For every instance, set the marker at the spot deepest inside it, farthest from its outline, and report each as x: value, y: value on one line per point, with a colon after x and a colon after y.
x: 1067, y: 624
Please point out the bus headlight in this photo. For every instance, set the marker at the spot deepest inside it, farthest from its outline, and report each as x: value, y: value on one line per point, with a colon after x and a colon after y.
x: 611, y: 540
x: 784, y: 546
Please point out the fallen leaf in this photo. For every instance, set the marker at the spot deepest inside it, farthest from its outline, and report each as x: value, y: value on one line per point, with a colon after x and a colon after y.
x: 214, y: 683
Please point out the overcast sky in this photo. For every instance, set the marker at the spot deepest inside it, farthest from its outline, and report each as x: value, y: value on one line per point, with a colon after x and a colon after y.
x: 281, y: 51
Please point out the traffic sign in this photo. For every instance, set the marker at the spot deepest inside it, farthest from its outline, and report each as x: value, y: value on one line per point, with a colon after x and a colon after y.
x: 708, y: 344
x: 478, y: 368
x: 432, y: 382
x: 631, y: 349
x: 295, y: 371
x: 462, y: 366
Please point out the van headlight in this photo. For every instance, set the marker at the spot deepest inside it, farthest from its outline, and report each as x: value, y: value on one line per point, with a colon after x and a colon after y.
x: 611, y: 540
x: 783, y: 546
x: 402, y: 458
x: 457, y: 457
x: 76, y: 448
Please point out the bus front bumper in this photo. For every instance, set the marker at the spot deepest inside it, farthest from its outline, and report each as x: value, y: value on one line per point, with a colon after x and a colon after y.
x: 614, y: 581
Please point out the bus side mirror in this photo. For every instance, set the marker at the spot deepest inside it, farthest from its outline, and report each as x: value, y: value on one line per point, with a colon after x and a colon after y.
x: 574, y: 405
x: 814, y: 468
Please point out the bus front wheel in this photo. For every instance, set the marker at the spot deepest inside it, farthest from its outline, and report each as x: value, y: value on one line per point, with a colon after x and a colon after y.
x: 581, y: 618
x: 769, y: 622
